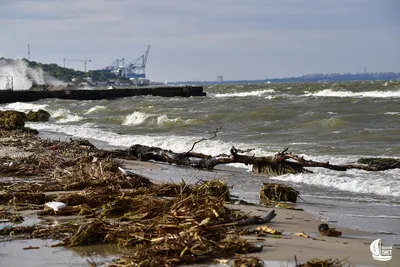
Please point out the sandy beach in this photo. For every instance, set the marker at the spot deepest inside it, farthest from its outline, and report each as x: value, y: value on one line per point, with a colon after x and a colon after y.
x: 353, y: 246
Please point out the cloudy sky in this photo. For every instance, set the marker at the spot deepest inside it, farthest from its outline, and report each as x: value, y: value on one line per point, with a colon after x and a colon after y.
x: 198, y: 40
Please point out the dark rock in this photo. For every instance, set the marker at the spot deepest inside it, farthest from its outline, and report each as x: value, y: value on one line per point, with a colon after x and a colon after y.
x: 37, y: 116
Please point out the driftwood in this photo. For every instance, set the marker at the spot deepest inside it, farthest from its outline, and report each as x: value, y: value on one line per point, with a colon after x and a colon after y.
x: 278, y: 164
x: 258, y: 220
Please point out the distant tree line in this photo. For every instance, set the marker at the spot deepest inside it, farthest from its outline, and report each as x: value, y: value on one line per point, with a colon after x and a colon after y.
x: 67, y: 74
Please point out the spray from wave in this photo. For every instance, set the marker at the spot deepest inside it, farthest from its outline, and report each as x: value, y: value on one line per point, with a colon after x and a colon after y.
x: 23, y: 76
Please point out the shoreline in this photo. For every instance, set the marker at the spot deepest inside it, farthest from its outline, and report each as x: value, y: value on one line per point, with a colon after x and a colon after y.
x: 353, y: 245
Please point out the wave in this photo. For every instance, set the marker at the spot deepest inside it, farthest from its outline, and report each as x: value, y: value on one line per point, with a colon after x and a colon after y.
x: 64, y: 116
x: 185, y: 143
x: 245, y: 94
x: 370, y: 94
x: 372, y: 216
x: 95, y: 109
x: 19, y: 106
x: 136, y: 118
x: 351, y: 181
x: 333, y: 123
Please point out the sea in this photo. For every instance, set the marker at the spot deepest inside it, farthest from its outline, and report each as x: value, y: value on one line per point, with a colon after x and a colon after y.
x: 336, y: 122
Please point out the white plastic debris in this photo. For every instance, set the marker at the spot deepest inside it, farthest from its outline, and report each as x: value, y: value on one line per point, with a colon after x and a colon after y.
x: 56, y: 206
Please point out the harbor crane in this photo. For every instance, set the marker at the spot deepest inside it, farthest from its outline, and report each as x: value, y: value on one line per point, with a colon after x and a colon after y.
x: 85, y: 60
x: 130, y: 69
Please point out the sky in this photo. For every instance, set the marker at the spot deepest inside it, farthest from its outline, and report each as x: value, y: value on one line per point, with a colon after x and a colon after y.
x: 199, y: 40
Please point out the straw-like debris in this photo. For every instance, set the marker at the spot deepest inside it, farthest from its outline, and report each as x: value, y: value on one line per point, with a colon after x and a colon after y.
x: 324, y: 263
x: 248, y: 262
x: 160, y: 224
x: 278, y: 192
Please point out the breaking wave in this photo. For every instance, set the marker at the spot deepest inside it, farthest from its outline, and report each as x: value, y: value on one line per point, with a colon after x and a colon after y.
x: 23, y: 75
x: 64, y: 116
x: 245, y: 94
x: 95, y: 109
x: 370, y: 94
x: 351, y: 181
x: 19, y: 106
x: 136, y: 118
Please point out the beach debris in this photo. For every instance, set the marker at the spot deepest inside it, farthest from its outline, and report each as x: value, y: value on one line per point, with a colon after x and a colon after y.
x: 216, y: 188
x: 30, y: 247
x: 22, y: 197
x: 123, y: 171
x: 248, y: 262
x: 324, y: 230
x: 278, y: 192
x: 55, y: 205
x: 283, y: 162
x: 82, y: 143
x: 324, y: 263
x: 265, y: 229
x: 222, y: 261
x: 285, y: 206
x: 16, y: 218
x: 257, y: 219
x: 381, y: 163
x: 302, y: 234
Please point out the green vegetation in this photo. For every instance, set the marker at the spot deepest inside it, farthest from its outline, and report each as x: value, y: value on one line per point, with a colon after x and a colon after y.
x: 66, y: 74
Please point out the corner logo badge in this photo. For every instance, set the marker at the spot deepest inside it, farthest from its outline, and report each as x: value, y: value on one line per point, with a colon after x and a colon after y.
x: 379, y: 252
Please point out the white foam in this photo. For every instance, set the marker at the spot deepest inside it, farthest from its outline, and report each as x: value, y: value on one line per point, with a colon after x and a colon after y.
x: 19, y: 106
x: 173, y: 142
x: 245, y: 94
x: 392, y: 113
x: 342, y: 93
x: 95, y: 108
x: 163, y: 120
x: 23, y: 75
x: 382, y: 183
x: 136, y: 118
x: 64, y: 116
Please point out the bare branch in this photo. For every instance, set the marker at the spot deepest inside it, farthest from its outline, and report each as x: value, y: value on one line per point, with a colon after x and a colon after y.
x: 204, y: 139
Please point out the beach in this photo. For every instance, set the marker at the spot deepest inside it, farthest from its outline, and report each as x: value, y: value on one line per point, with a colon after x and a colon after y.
x: 335, y: 122
x: 353, y: 246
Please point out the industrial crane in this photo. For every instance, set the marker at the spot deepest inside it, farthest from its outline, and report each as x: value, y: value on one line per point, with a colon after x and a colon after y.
x: 85, y: 60
x: 131, y: 70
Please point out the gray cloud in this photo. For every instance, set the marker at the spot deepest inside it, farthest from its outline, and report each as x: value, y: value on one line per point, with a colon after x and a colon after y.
x: 201, y: 39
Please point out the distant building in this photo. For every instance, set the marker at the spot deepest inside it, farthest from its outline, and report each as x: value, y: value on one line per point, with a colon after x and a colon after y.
x: 220, y: 79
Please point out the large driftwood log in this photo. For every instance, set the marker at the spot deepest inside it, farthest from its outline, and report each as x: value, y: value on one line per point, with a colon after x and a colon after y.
x: 281, y: 163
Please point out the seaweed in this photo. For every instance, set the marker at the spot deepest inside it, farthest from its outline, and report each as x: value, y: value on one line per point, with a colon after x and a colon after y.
x: 324, y: 263
x: 278, y: 192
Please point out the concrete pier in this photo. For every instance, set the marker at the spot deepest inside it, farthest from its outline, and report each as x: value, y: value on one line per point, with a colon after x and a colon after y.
x: 7, y: 96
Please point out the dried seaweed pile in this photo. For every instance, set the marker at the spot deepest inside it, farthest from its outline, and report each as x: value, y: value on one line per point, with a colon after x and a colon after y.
x: 159, y: 231
x: 278, y: 192
x: 161, y: 224
x: 324, y: 263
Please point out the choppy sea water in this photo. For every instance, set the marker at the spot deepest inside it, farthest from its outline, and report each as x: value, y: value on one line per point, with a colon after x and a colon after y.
x: 331, y: 122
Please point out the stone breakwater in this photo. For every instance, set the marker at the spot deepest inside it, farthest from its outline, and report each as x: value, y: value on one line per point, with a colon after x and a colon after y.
x: 38, y: 92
